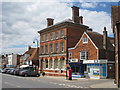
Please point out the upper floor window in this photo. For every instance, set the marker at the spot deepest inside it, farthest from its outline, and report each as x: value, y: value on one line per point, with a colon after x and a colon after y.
x: 51, y: 36
x: 46, y: 62
x: 70, y: 55
x: 46, y: 37
x: 62, y: 33
x: 42, y: 49
x: 56, y: 47
x: 46, y: 48
x: 56, y: 35
x: 42, y: 38
x: 51, y: 48
x: 62, y: 46
x: 85, y: 40
x: 83, y: 55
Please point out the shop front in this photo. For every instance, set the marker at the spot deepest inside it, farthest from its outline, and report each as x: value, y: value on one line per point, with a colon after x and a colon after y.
x: 96, y: 69
x: 77, y: 69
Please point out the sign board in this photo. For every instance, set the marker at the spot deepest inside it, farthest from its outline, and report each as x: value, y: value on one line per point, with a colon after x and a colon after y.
x: 74, y: 60
x: 94, y: 61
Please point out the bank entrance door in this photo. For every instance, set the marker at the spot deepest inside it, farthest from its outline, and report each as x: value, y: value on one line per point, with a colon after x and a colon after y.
x: 77, y: 69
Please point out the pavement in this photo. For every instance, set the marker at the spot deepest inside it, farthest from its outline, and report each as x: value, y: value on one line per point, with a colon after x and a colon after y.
x: 102, y: 83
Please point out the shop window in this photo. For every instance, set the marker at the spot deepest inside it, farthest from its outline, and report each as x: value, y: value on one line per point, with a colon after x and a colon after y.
x: 83, y: 55
x: 46, y: 62
x: 50, y: 63
x: 56, y: 63
x: 62, y: 63
x: 88, y: 70
x: 85, y: 40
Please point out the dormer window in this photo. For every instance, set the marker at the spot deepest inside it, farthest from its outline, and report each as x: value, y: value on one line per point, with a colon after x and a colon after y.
x: 85, y: 40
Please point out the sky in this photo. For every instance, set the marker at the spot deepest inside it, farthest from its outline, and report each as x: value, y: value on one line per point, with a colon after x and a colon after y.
x: 21, y: 21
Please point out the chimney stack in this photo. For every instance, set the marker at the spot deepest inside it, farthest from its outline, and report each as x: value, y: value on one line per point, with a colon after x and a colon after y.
x: 49, y: 22
x: 29, y: 47
x: 75, y: 14
x: 81, y: 19
x: 105, y: 39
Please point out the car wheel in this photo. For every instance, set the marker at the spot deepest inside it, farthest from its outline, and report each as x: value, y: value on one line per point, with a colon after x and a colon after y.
x: 37, y: 75
x: 25, y: 75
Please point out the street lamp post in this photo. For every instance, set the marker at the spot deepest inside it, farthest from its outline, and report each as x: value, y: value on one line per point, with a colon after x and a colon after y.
x: 66, y: 57
x: 37, y: 49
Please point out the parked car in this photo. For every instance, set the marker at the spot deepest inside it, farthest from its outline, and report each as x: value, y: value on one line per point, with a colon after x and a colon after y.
x: 12, y: 71
x: 5, y: 70
x: 17, y: 70
x: 29, y: 72
x: 1, y: 70
x: 8, y: 71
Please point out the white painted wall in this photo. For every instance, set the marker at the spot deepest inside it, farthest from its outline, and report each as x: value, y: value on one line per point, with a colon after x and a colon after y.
x: 12, y: 59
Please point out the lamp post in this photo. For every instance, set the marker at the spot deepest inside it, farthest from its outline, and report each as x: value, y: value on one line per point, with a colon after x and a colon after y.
x: 65, y: 38
x: 37, y: 42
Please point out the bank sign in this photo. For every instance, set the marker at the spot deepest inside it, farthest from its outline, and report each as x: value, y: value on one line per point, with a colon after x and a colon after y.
x: 94, y: 61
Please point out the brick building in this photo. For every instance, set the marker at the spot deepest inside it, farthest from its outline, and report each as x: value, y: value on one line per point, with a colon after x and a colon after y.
x: 30, y: 57
x: 96, y: 54
x: 55, y: 41
x: 116, y: 30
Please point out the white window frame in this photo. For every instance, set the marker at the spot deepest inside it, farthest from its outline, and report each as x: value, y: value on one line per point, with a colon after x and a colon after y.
x: 51, y: 64
x: 46, y: 49
x: 42, y: 49
x: 56, y: 63
x: 56, y: 47
x: 42, y: 40
x: 85, y: 40
x: 70, y: 55
x: 46, y: 64
x: 62, y: 46
x: 46, y: 37
x: 62, y: 33
x: 51, y: 48
x: 56, y: 35
x: 51, y: 36
x: 86, y: 55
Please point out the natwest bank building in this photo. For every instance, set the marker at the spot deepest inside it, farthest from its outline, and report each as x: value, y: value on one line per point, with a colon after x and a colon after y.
x: 55, y: 40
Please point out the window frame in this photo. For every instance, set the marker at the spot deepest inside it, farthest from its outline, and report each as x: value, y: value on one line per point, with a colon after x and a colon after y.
x: 86, y: 55
x: 62, y: 45
x: 56, y: 47
x: 56, y: 35
x: 70, y: 55
x: 46, y: 37
x: 46, y: 49
x: 84, y: 40
x: 51, y: 48
x: 51, y: 36
x: 62, y: 33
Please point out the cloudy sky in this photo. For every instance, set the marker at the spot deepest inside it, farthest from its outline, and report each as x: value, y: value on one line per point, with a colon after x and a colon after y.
x: 22, y: 20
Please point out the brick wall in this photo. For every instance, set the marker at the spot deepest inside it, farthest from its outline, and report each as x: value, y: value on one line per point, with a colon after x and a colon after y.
x: 92, y: 51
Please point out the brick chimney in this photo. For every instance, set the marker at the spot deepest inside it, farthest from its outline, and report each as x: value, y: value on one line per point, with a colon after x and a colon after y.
x: 75, y: 14
x: 81, y: 19
x: 29, y: 47
x: 105, y: 39
x: 49, y: 22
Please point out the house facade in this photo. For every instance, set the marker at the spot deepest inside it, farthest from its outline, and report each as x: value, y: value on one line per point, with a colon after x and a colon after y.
x: 56, y: 39
x: 13, y: 60
x: 30, y: 57
x: 95, y: 53
x: 116, y: 30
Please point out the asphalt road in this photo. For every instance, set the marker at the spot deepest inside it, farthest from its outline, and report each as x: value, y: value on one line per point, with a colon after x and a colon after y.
x: 11, y: 81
